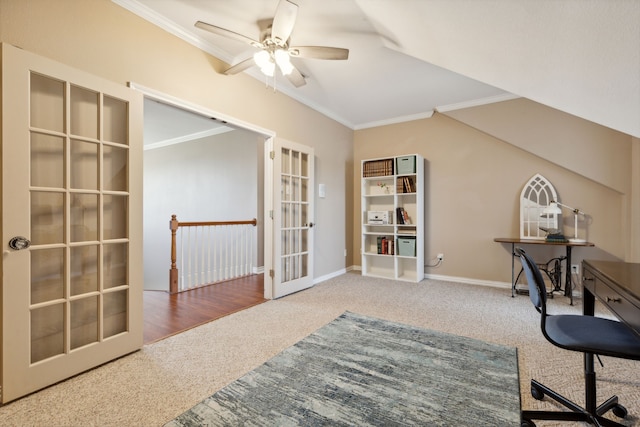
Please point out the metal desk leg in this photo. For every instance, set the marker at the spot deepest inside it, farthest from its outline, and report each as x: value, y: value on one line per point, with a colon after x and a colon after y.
x: 568, y: 283
x: 513, y: 255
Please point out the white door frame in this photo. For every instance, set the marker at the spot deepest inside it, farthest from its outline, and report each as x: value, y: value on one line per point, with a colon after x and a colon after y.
x: 268, y: 166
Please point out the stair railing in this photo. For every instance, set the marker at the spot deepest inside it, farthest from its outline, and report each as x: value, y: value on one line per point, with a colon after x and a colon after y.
x: 210, y: 252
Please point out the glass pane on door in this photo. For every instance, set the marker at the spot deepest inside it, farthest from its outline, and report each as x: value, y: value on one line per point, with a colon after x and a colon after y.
x: 115, y: 168
x: 84, y: 269
x: 115, y: 217
x: 115, y: 265
x: 47, y: 160
x: 115, y: 313
x: 84, y: 217
x: 47, y: 103
x: 84, y: 112
x: 47, y: 217
x: 84, y: 165
x: 47, y: 332
x: 115, y: 115
x: 84, y: 321
x: 47, y: 275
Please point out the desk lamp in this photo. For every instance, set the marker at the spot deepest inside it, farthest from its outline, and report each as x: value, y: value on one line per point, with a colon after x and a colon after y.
x: 554, y: 208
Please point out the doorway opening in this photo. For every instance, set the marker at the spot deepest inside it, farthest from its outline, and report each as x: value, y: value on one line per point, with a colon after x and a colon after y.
x: 199, y: 168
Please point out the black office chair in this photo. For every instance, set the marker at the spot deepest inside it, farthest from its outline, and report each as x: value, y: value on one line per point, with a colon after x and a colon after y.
x: 587, y: 334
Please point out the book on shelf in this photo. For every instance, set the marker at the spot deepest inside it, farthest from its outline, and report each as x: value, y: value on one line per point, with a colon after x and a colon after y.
x: 385, y: 245
x: 382, y: 167
x: 408, y: 185
x: 400, y: 215
x: 407, y: 230
x: 399, y: 185
x: 406, y: 219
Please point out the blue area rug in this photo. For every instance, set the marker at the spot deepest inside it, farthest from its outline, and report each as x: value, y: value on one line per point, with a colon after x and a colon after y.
x: 361, y: 371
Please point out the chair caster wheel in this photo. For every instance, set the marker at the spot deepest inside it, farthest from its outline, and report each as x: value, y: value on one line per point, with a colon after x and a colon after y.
x: 619, y: 411
x: 527, y: 423
x: 537, y: 392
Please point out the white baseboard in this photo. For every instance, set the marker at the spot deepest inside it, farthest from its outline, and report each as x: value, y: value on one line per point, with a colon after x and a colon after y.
x: 577, y: 294
x: 466, y: 280
x: 321, y: 279
x: 469, y: 281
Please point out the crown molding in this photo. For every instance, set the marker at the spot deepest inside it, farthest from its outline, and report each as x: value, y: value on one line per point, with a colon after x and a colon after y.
x: 187, y: 138
x: 150, y: 15
x: 476, y: 102
x: 395, y: 120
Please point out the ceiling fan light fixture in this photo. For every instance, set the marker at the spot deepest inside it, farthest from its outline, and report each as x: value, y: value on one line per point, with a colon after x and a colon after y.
x: 268, y: 69
x: 283, y: 61
x: 262, y: 58
x: 274, y: 46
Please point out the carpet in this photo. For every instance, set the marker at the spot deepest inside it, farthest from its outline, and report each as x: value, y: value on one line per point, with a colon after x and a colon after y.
x: 359, y: 370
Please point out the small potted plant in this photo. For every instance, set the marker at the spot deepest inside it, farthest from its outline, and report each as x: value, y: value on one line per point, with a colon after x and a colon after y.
x: 384, y: 187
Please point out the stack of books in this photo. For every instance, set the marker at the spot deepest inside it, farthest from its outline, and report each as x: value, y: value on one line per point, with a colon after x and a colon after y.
x: 402, y: 217
x: 559, y: 238
x: 377, y: 168
x: 385, y: 245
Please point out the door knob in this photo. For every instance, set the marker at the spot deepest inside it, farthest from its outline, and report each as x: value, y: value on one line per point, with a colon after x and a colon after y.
x: 19, y: 243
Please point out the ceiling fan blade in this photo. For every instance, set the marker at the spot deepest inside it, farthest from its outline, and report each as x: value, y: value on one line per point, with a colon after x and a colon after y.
x: 296, y: 78
x: 319, y: 52
x: 227, y: 33
x: 240, y: 66
x: 284, y: 20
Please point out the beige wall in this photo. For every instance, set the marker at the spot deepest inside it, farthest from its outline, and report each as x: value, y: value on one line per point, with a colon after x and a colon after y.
x: 474, y: 182
x: 104, y: 39
x: 477, y: 163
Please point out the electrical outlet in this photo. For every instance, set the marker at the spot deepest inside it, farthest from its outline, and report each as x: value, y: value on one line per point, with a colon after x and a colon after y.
x: 575, y: 268
x: 440, y: 257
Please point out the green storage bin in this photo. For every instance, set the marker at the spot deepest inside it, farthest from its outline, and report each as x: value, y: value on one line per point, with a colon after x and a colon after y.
x: 406, y: 246
x: 406, y: 165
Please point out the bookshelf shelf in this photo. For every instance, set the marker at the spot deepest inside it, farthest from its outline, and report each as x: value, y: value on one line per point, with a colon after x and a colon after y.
x: 392, y: 217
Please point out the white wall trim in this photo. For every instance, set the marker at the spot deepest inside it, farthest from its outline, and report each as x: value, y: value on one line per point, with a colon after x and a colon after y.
x: 392, y: 121
x: 440, y: 109
x: 187, y: 138
x: 469, y: 281
x: 326, y: 277
x: 465, y: 280
x: 198, y: 109
x: 476, y: 102
x: 152, y: 16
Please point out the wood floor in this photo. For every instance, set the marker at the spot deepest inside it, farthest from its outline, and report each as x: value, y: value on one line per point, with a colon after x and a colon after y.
x: 166, y: 314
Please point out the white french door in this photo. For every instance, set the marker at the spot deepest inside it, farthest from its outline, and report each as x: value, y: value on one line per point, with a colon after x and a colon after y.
x: 71, y: 222
x: 293, y: 212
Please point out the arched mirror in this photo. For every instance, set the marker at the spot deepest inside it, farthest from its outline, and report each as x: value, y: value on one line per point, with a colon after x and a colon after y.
x: 536, y: 195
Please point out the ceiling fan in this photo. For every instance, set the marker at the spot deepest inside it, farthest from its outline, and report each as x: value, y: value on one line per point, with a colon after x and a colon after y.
x: 274, y: 45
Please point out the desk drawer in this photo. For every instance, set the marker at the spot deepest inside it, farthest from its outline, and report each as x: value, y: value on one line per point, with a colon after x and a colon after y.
x: 620, y: 306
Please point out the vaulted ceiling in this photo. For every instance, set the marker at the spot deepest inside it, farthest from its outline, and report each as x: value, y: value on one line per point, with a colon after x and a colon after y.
x: 409, y: 58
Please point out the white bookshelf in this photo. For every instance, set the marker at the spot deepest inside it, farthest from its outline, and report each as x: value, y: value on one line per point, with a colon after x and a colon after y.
x: 390, y: 184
